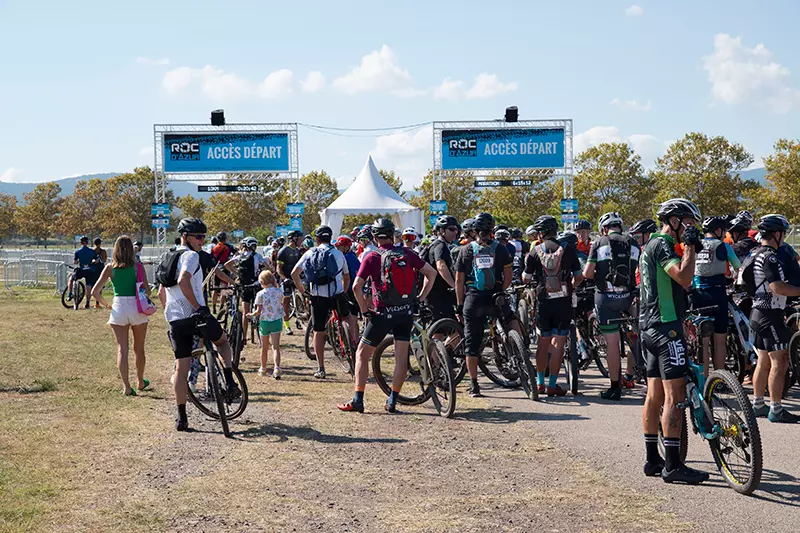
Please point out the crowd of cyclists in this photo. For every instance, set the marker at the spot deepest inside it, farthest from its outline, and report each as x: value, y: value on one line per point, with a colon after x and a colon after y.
x: 655, y: 271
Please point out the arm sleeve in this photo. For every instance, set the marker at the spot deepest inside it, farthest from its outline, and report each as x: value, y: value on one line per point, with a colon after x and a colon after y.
x: 732, y: 258
x: 506, y: 258
x: 666, y: 255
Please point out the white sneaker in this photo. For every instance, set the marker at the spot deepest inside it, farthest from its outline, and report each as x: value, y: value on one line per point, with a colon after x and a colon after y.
x: 319, y: 374
x: 289, y: 331
x: 262, y: 371
x: 276, y: 373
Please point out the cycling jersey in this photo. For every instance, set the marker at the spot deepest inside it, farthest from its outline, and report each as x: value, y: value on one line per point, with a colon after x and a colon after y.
x: 743, y: 248
x: 712, y: 262
x: 583, y: 249
x: 661, y: 298
x: 788, y: 259
x: 766, y: 269
x: 601, y: 255
x: 84, y: 257
x: 287, y: 258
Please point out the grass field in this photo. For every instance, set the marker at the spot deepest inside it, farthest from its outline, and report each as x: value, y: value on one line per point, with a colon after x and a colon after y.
x: 76, y: 455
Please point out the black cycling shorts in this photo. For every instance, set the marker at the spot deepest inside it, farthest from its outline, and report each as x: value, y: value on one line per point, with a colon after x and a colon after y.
x: 181, y: 334
x: 771, y: 332
x: 442, y: 305
x: 477, y: 308
x: 664, y: 351
x: 611, y: 306
x: 90, y: 276
x: 352, y: 304
x: 249, y: 294
x: 321, y: 308
x: 288, y: 287
x: 380, y: 325
x: 553, y: 317
x: 709, y: 297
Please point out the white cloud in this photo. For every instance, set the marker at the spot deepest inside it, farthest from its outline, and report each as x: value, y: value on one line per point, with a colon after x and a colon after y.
x: 146, y: 151
x: 742, y: 75
x: 408, y: 153
x: 634, y: 11
x: 10, y: 174
x: 150, y: 61
x: 378, y: 71
x: 217, y: 84
x: 488, y: 85
x: 314, y: 82
x: 633, y: 105
x: 647, y: 146
x: 449, y: 90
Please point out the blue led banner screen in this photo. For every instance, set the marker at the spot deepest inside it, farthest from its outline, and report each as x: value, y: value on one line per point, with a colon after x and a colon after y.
x: 503, y: 148
x: 226, y: 152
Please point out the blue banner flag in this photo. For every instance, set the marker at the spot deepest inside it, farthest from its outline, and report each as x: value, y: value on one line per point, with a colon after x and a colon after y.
x: 503, y: 148
x: 226, y: 152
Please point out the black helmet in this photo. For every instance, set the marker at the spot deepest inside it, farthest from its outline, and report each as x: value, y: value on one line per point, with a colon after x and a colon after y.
x: 445, y: 221
x: 516, y: 233
x: 499, y: 227
x: 647, y: 225
x: 468, y: 225
x: 383, y: 227
x: 192, y: 225
x: 222, y: 236
x: 678, y: 207
x: 281, y: 241
x: 545, y: 224
x: 712, y: 224
x: 365, y: 233
x: 743, y: 221
x: 84, y: 239
x: 774, y: 222
x: 568, y: 237
x: 323, y: 231
x: 296, y: 234
x: 583, y: 224
x: 483, y: 222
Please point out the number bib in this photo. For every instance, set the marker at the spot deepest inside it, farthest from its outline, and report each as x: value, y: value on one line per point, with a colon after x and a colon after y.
x: 486, y: 261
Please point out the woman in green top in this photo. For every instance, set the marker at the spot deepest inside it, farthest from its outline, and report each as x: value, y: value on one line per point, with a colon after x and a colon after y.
x: 122, y: 272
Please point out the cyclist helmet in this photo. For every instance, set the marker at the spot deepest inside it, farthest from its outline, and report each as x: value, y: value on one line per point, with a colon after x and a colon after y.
x: 774, y: 222
x: 383, y: 227
x: 545, y: 224
x: 610, y: 219
x: 222, y: 236
x: 499, y: 227
x: 295, y: 234
x: 345, y: 241
x: 583, y: 224
x: 410, y: 231
x: 445, y: 221
x: 468, y: 225
x: 502, y: 234
x: 192, y: 225
x: 712, y: 224
x: 568, y: 237
x: 250, y: 242
x: 530, y: 231
x: 483, y: 222
x: 516, y: 233
x: 281, y: 241
x: 647, y: 225
x: 323, y: 231
x: 308, y: 242
x: 678, y: 207
x: 365, y: 233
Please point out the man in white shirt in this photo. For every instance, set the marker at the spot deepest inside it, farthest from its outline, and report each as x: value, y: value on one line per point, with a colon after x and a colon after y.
x: 326, y: 270
x: 184, y: 305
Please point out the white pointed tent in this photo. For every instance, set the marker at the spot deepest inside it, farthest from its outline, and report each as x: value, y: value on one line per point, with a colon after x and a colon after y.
x: 370, y: 194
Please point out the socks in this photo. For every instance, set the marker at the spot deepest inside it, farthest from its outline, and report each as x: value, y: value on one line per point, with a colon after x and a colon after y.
x: 673, y: 455
x: 540, y: 378
x: 228, y: 377
x: 392, y: 397
x: 286, y: 324
x: 358, y: 397
x: 182, y: 411
x: 775, y: 407
x: 651, y: 447
x: 551, y: 381
x: 615, y: 384
x: 474, y: 383
x: 758, y: 401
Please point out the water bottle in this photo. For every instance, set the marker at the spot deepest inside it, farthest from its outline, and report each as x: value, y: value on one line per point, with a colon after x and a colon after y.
x: 194, y: 370
x: 416, y: 349
x: 694, y: 397
x: 583, y: 350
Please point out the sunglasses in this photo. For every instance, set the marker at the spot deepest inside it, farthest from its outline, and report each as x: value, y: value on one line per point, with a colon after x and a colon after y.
x: 409, y: 238
x: 198, y: 236
x: 454, y: 228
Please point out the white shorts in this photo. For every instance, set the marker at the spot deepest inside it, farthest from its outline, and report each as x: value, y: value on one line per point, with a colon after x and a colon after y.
x: 124, y: 312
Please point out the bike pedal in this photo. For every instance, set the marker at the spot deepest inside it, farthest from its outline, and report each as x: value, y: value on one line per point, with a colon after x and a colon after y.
x: 683, y: 405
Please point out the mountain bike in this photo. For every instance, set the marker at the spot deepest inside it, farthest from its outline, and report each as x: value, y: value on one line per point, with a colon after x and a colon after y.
x: 338, y: 339
x: 430, y: 371
x: 208, y: 390
x: 255, y: 336
x: 78, y: 290
x: 721, y: 414
x: 231, y: 318
x: 299, y: 308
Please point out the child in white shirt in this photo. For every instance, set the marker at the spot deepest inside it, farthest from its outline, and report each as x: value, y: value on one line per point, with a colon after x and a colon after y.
x: 269, y: 307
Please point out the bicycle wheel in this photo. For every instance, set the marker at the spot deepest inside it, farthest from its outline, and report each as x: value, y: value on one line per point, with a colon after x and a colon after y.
x: 737, y: 452
x: 236, y: 338
x: 222, y: 317
x: 525, y: 322
x: 442, y: 388
x: 308, y: 344
x: 794, y: 361
x: 599, y: 345
x: 215, y: 383
x: 383, y: 360
x: 340, y: 346
x: 64, y: 301
x: 78, y: 292
x: 300, y: 308
x: 453, y: 339
x: 527, y: 375
x: 684, y: 449
x: 735, y: 356
x: 571, y: 362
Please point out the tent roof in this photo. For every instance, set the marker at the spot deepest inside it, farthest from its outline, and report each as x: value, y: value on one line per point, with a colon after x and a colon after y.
x: 369, y: 193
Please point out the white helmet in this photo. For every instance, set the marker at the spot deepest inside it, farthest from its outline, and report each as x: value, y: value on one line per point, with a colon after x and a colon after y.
x: 410, y: 231
x: 610, y: 219
x: 250, y: 242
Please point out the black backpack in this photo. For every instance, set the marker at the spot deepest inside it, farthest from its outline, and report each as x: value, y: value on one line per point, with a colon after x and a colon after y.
x: 246, y: 268
x: 167, y: 268
x: 619, y: 271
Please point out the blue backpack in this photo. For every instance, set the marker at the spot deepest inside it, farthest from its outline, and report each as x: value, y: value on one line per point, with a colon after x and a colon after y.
x: 483, y: 258
x: 321, y: 268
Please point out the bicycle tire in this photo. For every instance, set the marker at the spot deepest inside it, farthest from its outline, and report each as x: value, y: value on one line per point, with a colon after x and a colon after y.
x: 735, y: 360
x: 301, y: 311
x: 380, y: 378
x: 599, y: 344
x: 684, y: 447
x: 524, y: 320
x: 308, y: 343
x: 794, y: 361
x: 496, y: 378
x: 66, y: 303
x: 457, y: 356
x: 746, y: 432
x: 441, y: 371
x: 527, y: 375
x: 235, y: 337
x: 239, y: 379
x: 571, y: 363
x: 216, y: 390
x: 340, y: 347
x: 222, y: 317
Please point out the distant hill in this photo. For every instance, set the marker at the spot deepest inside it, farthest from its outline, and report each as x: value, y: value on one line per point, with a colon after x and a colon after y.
x: 757, y: 174
x: 68, y: 186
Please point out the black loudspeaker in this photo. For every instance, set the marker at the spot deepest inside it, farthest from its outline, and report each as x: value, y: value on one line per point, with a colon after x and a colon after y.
x: 512, y: 114
x: 218, y: 117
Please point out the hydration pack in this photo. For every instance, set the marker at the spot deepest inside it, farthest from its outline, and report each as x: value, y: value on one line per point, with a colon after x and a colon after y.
x: 551, y: 264
x: 321, y: 268
x: 483, y: 270
x: 398, y: 284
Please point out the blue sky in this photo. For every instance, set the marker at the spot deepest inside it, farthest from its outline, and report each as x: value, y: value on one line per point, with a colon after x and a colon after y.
x: 82, y: 83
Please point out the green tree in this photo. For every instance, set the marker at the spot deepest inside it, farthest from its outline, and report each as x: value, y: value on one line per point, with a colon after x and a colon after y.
x: 317, y: 191
x: 128, y: 211
x: 81, y: 209
x: 8, y: 207
x: 463, y: 199
x: 782, y: 193
x: 519, y: 206
x: 248, y: 211
x: 705, y: 170
x: 610, y: 177
x: 38, y: 215
x: 191, y: 206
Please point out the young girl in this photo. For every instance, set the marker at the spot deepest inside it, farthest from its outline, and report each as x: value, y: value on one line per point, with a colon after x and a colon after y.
x: 269, y: 305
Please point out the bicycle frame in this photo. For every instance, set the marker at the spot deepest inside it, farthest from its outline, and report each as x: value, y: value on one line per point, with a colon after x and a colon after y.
x: 742, y: 324
x: 695, y: 385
